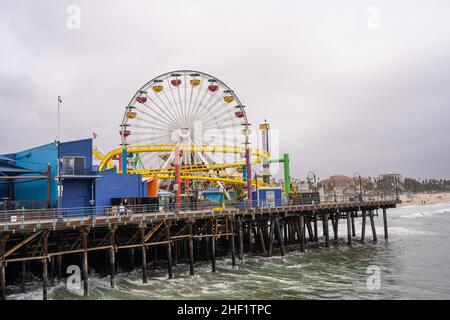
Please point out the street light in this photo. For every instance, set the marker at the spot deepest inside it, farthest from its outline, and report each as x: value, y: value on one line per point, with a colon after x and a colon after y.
x: 59, y: 161
x: 360, y: 185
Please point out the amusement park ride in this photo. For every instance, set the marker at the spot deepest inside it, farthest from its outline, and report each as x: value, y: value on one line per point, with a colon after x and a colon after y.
x: 188, y: 126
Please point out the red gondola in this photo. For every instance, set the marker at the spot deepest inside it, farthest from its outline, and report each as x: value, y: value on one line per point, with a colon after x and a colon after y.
x: 125, y: 133
x: 213, y: 87
x: 141, y: 99
x: 175, y: 82
x: 239, y: 114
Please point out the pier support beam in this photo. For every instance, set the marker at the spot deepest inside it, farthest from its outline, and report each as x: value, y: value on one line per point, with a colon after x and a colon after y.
x: 279, y: 236
x: 241, y: 239
x: 261, y: 240
x: 85, y: 263
x: 349, y: 228
x: 363, y: 227
x: 144, y: 255
x: 271, y: 232
x: 353, y: 223
x: 386, y: 235
x: 169, y: 251
x: 45, y: 265
x: 191, y: 250
x: 310, y: 231
x: 372, y: 224
x: 213, y: 246
x: 112, y: 255
x: 316, y: 233
x: 232, y: 244
x: 326, y: 230
x: 335, y: 218
x: 3, y: 240
x: 302, y: 233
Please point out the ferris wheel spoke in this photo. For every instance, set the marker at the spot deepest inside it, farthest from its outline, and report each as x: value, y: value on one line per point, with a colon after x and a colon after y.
x: 226, y: 111
x: 197, y: 106
x: 152, y: 127
x: 198, y: 92
x: 177, y: 115
x: 209, y: 108
x: 162, y: 118
x: 169, y: 110
x: 167, y: 116
x: 178, y: 108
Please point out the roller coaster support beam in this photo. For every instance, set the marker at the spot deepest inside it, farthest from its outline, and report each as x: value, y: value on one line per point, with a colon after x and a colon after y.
x: 124, y: 160
x: 287, y: 174
x: 249, y: 174
x: 177, y: 162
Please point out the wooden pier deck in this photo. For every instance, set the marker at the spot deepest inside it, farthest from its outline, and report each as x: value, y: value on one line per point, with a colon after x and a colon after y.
x: 31, y: 242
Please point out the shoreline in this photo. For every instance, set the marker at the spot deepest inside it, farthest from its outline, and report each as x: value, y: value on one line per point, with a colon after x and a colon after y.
x: 424, y: 199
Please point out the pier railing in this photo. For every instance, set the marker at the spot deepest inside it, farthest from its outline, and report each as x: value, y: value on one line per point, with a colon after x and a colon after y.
x: 89, y: 215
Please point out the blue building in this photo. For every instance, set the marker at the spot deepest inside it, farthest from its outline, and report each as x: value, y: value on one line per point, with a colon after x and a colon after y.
x: 81, y: 185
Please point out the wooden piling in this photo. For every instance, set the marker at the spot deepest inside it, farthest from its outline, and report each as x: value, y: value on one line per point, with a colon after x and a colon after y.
x: 3, y: 240
x: 191, y: 250
x: 336, y: 226
x: 269, y: 250
x: 302, y: 233
x: 169, y: 251
x: 363, y: 227
x: 326, y: 230
x: 213, y: 246
x: 353, y: 223
x: 261, y: 240
x: 241, y: 239
x: 349, y: 228
x: 85, y: 263
x: 144, y: 255
x: 310, y: 231
x: 232, y: 244
x: 316, y: 233
x: 372, y: 224
x: 386, y: 235
x: 112, y: 255
x: 279, y: 236
x: 44, y: 265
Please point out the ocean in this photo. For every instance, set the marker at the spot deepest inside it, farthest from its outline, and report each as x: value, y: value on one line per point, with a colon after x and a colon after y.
x: 413, y: 264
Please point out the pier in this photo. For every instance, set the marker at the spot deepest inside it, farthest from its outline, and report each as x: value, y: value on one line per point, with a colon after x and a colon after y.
x: 44, y: 242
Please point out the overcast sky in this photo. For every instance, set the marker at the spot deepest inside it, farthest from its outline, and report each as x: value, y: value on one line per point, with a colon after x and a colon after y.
x: 351, y: 85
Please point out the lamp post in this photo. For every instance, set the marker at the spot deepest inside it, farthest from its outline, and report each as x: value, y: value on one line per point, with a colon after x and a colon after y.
x: 396, y: 187
x: 334, y: 189
x: 360, y: 185
x: 59, y: 164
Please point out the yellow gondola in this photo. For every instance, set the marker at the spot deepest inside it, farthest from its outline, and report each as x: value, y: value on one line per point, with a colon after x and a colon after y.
x: 158, y: 88
x: 195, y: 82
x: 228, y: 99
x: 131, y: 115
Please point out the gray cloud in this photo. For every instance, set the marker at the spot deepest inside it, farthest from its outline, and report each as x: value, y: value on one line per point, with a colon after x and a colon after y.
x: 345, y: 98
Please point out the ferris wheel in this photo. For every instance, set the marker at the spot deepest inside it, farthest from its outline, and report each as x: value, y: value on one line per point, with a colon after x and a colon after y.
x: 189, y: 111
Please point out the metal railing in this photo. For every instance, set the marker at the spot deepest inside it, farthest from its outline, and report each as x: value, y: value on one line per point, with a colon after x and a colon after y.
x: 88, y: 215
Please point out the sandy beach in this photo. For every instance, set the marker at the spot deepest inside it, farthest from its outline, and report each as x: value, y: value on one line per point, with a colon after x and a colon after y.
x: 424, y: 198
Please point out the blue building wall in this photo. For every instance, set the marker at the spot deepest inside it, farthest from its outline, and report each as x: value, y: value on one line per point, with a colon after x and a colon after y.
x: 78, y: 148
x: 76, y: 193
x: 37, y: 159
x: 113, y: 185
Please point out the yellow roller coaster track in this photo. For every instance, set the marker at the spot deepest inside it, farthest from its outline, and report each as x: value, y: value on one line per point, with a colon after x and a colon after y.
x: 258, y: 155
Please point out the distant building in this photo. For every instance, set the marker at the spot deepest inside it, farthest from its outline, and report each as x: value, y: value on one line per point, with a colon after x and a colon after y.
x: 391, y: 177
x: 342, y: 185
